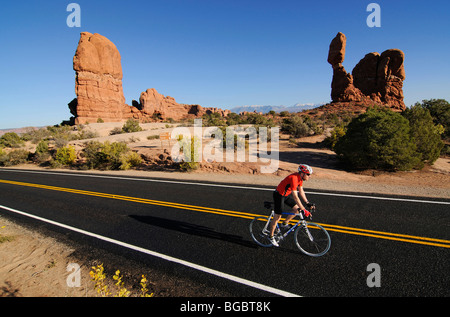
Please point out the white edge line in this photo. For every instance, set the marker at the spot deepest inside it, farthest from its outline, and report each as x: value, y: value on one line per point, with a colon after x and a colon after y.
x: 160, y: 255
x: 228, y: 186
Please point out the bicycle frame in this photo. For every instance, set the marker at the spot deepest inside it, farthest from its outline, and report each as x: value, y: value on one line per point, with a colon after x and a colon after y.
x: 301, y: 222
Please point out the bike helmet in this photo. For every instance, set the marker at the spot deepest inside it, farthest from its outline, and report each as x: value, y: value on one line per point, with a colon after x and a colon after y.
x: 303, y: 168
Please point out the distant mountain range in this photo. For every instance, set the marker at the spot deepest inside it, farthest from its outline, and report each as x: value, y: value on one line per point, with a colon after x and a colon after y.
x: 264, y: 109
x: 16, y: 130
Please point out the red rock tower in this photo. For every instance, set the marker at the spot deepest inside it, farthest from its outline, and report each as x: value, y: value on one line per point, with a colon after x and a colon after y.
x: 376, y: 79
x: 98, y: 83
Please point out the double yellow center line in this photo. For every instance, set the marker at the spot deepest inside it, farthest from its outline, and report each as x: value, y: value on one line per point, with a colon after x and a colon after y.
x: 341, y: 229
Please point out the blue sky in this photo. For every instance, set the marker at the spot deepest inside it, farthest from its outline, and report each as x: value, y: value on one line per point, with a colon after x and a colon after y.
x: 216, y: 53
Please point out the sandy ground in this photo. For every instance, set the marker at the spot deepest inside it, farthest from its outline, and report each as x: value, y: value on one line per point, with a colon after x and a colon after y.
x: 34, y: 264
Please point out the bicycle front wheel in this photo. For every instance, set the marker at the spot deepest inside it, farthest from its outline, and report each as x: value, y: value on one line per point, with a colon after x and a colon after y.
x: 312, y: 239
x: 259, y: 231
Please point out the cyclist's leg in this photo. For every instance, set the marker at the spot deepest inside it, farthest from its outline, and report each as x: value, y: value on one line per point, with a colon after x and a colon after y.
x: 278, y: 209
x: 289, y: 201
x: 273, y: 223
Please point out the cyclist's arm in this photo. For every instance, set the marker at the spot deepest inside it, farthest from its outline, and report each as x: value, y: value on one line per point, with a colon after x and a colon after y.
x: 297, y: 199
x: 303, y: 196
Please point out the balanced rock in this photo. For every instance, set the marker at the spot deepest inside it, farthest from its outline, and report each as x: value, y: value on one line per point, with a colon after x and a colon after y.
x: 336, y: 53
x: 376, y: 79
x: 342, y: 87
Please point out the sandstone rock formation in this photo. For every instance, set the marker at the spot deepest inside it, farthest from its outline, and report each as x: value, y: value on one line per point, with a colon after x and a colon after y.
x: 98, y: 86
x: 98, y: 83
x: 342, y: 87
x: 376, y: 79
x: 156, y: 106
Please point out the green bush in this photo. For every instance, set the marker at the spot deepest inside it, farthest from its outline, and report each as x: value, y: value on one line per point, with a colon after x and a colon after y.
x: 42, y: 153
x: 110, y: 156
x: 66, y: 155
x: 11, y: 139
x: 15, y: 157
x: 426, y: 135
x: 2, y: 153
x: 233, y: 119
x: 131, y: 126
x: 335, y: 134
x: 259, y: 120
x: 213, y: 120
x: 440, y: 112
x: 116, y: 131
x: 129, y: 160
x: 296, y: 126
x: 36, y: 135
x: 379, y: 139
x: 42, y: 147
x: 61, y: 135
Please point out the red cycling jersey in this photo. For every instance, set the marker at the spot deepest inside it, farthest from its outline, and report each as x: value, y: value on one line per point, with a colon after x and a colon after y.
x: 290, y: 183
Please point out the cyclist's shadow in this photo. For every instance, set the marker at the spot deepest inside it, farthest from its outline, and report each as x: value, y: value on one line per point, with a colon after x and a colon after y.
x: 192, y: 229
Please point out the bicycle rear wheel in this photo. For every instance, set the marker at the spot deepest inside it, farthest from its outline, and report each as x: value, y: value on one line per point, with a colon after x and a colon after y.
x: 256, y: 231
x: 312, y: 239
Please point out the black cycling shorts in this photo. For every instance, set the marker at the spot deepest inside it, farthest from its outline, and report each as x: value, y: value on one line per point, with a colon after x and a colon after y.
x: 279, y: 200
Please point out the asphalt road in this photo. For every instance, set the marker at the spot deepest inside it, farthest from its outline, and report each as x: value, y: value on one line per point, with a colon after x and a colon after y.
x: 201, y: 231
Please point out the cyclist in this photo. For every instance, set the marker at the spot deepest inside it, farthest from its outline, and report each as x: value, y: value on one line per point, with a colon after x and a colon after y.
x: 286, y: 193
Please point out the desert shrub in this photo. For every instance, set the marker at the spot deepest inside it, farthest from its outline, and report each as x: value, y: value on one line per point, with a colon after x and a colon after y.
x: 129, y: 160
x: 426, y: 135
x: 379, y: 139
x: 339, y: 118
x: 61, y: 135
x: 213, y: 120
x: 131, y: 126
x: 296, y: 126
x: 86, y: 134
x: 115, y: 131
x: 335, y: 134
x: 11, y: 139
x: 440, y: 112
x: 66, y: 155
x: 2, y: 154
x: 110, y: 156
x: 233, y: 119
x: 42, y: 153
x: 36, y: 135
x: 42, y: 147
x: 259, y: 120
x: 14, y: 157
x: 314, y: 127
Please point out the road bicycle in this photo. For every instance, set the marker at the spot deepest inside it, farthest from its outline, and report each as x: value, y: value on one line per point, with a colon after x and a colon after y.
x: 311, y: 238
